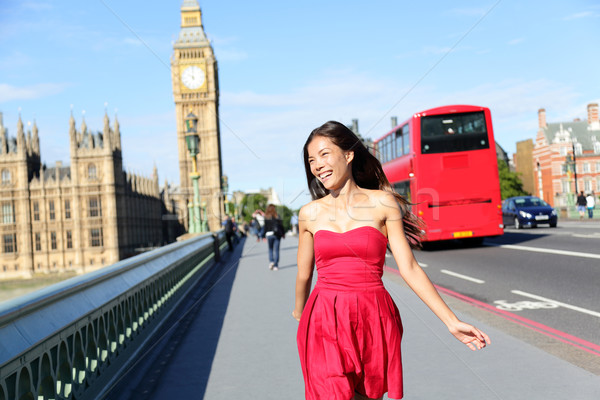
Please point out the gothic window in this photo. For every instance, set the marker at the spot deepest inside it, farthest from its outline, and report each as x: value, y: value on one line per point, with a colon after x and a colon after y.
x: 69, y: 239
x: 9, y: 242
x: 53, y: 240
x: 67, y: 209
x: 578, y: 149
x: 95, y: 207
x: 5, y: 177
x: 38, y: 241
x: 92, y: 172
x: 36, y: 211
x: 96, y: 239
x: 8, y: 213
x: 51, y: 211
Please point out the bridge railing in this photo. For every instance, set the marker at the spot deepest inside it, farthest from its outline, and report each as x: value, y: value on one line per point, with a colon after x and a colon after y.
x: 70, y: 340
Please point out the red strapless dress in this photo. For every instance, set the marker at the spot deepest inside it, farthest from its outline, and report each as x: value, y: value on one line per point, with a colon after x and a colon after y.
x: 350, y: 331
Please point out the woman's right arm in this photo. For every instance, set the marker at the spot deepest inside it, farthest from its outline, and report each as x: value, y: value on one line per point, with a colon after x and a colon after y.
x: 306, y: 261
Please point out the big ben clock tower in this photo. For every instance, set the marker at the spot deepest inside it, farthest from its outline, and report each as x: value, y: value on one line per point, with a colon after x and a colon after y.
x: 196, y: 90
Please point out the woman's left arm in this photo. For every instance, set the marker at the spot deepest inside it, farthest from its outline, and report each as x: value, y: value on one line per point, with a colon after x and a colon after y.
x: 419, y: 282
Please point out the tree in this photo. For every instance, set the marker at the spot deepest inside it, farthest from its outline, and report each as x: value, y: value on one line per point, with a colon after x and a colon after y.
x: 251, y: 203
x: 510, y: 182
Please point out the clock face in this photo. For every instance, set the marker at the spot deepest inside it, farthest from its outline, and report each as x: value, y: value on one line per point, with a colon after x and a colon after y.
x: 192, y: 77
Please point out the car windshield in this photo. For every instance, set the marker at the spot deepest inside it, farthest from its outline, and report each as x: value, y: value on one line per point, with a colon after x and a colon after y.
x: 530, y: 202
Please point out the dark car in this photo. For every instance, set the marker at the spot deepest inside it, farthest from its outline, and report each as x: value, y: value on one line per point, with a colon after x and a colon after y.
x: 529, y: 211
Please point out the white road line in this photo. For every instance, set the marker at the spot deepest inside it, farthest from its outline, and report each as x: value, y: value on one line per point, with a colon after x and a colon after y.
x: 423, y: 265
x: 550, y: 251
x: 565, y: 305
x: 465, y: 277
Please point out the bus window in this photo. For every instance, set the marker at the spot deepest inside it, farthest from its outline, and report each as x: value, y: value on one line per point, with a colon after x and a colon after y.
x: 403, y: 189
x: 398, y: 146
x: 390, y: 148
x: 406, y: 136
x: 453, y: 132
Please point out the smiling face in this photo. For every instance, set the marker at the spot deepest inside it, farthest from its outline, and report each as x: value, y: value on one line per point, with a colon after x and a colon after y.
x: 329, y: 163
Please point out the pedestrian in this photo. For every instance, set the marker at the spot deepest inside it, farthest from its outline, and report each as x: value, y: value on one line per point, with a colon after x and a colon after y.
x: 274, y: 233
x: 350, y: 329
x: 260, y: 218
x: 581, y: 204
x: 294, y: 223
x: 229, y: 231
x: 590, y: 204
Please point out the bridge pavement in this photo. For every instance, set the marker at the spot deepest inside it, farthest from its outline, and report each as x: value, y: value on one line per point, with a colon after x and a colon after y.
x: 236, y: 340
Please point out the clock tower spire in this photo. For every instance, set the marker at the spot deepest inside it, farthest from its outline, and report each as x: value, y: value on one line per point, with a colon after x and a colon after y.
x: 196, y: 90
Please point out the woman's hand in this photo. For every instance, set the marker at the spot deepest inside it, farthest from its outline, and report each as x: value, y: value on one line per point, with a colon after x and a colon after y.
x: 469, y: 335
x: 296, y: 315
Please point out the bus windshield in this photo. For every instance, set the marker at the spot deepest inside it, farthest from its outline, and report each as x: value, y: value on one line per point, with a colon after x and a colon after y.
x: 453, y: 132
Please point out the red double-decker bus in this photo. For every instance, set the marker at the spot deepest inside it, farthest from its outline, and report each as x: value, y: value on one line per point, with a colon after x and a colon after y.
x: 443, y: 160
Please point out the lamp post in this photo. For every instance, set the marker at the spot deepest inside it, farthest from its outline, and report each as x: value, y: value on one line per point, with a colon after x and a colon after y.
x: 193, y: 144
x: 225, y: 187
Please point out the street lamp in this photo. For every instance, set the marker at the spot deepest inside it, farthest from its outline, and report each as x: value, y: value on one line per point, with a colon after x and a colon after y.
x: 193, y: 144
x: 225, y: 188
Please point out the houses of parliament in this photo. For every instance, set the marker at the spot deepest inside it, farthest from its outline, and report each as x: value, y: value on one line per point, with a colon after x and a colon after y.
x: 92, y: 213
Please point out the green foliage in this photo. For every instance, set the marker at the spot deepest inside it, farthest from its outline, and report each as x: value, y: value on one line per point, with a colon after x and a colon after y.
x: 510, y: 182
x: 285, y: 214
x: 251, y: 203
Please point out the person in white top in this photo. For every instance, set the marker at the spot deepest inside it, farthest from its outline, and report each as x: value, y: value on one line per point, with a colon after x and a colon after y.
x: 591, y: 203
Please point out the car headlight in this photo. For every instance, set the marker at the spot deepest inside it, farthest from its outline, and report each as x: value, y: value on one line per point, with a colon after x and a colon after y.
x: 553, y: 212
x: 525, y: 214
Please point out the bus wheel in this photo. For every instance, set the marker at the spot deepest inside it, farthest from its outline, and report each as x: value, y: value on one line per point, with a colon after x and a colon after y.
x: 517, y: 223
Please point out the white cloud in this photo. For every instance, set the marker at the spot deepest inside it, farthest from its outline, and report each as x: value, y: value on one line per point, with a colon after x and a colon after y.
x: 10, y: 92
x: 516, y: 41
x: 262, y: 134
x: 579, y: 15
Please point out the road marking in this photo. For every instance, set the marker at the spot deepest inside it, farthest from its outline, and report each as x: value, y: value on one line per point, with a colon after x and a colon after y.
x: 550, y: 251
x: 592, y: 236
x: 565, y: 305
x: 423, y: 265
x: 465, y: 277
x: 564, y: 337
x: 524, y: 305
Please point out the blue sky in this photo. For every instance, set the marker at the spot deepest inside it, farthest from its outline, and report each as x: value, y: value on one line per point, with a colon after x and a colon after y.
x: 287, y: 67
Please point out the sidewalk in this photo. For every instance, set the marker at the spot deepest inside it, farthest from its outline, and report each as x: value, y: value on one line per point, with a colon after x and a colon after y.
x: 255, y: 354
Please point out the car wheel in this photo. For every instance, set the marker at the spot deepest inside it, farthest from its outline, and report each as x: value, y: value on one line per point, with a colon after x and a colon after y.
x: 517, y: 223
x: 553, y: 225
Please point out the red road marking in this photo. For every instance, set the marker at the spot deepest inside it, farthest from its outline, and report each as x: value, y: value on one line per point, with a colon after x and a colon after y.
x: 564, y: 337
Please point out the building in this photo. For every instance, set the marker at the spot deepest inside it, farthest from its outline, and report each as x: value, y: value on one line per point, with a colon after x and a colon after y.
x: 196, y: 91
x: 566, y: 158
x: 79, y: 217
x: 523, y: 161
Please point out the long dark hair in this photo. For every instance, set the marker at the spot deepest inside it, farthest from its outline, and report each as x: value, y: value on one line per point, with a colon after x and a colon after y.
x: 366, y: 171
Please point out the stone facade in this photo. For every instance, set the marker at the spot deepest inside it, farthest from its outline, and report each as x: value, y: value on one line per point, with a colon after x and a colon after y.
x: 556, y: 145
x: 196, y: 90
x: 79, y: 217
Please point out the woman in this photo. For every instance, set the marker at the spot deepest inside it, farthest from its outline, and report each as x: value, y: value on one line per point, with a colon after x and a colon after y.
x: 273, y: 233
x: 350, y: 329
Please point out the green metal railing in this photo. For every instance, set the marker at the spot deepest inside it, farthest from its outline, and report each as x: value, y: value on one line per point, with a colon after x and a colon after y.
x: 71, y: 339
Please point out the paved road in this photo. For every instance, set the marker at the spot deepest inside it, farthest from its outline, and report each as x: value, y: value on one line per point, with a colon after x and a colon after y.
x: 545, y: 275
x: 239, y: 342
